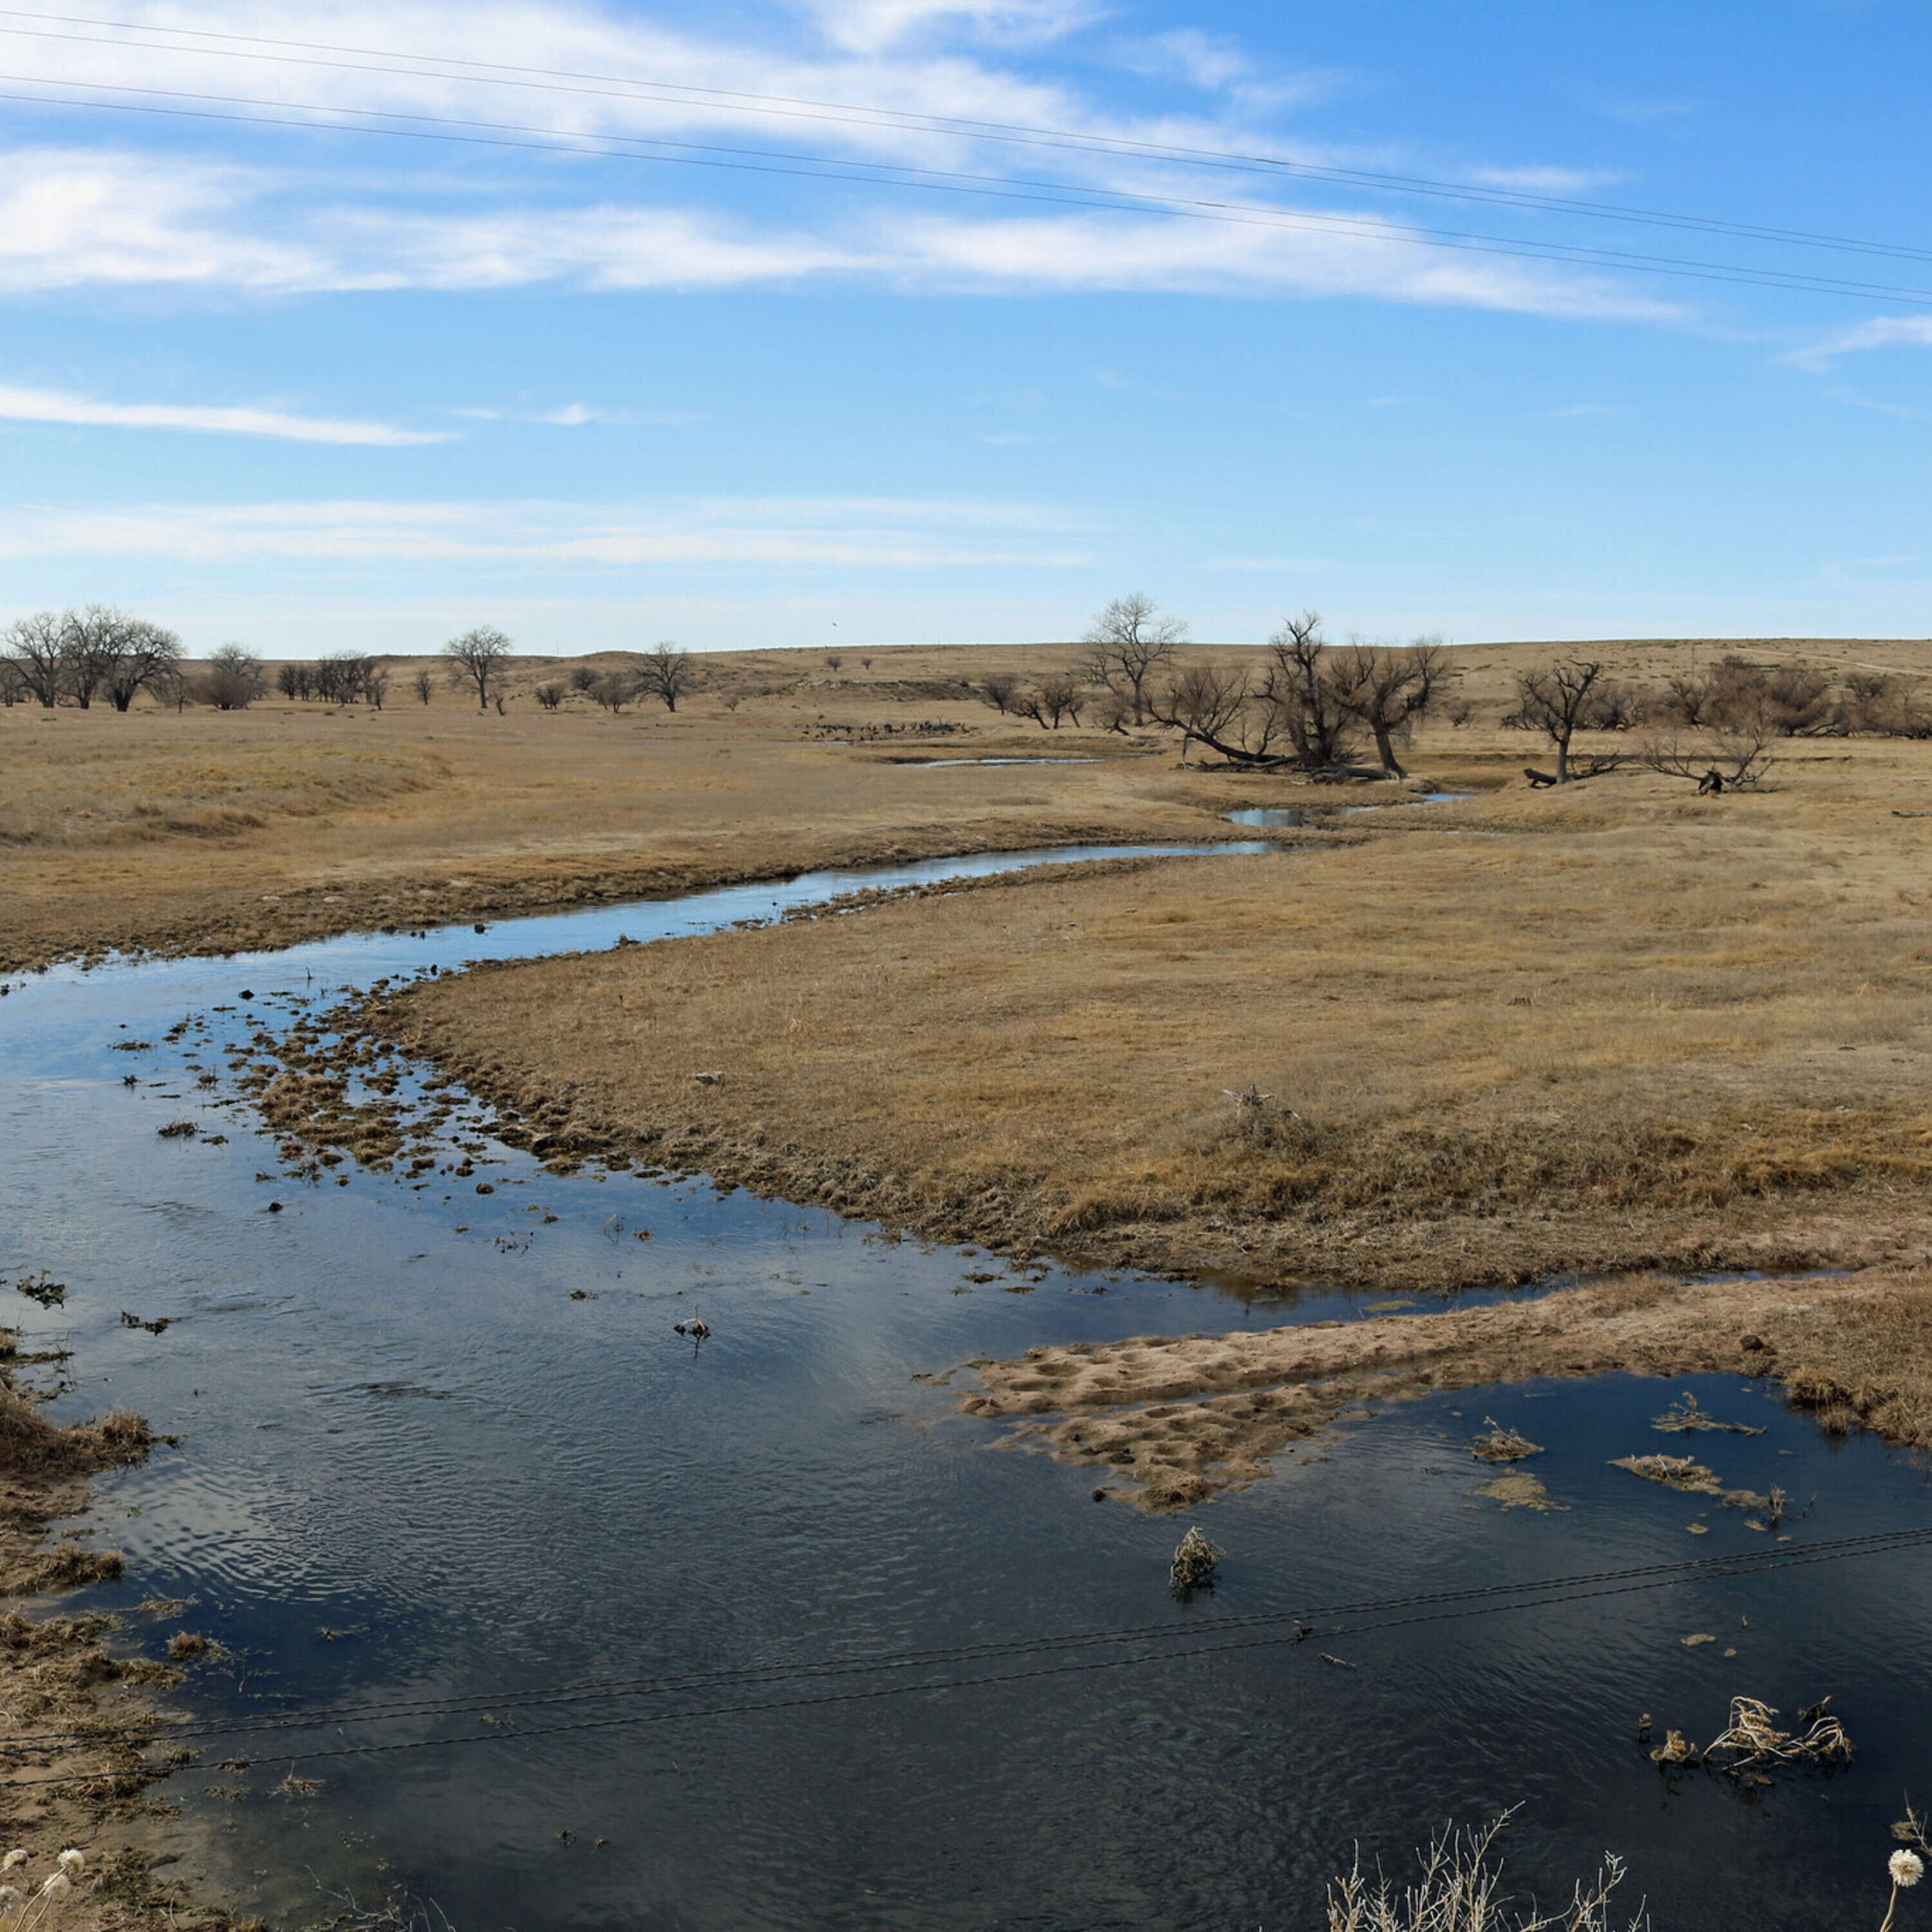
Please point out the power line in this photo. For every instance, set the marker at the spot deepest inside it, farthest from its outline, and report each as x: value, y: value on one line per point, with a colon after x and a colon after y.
x: 512, y: 135
x: 566, y: 80
x: 1420, y: 1607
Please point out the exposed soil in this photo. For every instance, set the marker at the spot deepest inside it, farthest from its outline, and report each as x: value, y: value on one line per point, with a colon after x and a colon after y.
x: 65, y: 1678
x: 1177, y: 1418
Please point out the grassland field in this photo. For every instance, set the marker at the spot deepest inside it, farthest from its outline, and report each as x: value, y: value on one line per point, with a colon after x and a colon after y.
x: 1610, y: 1027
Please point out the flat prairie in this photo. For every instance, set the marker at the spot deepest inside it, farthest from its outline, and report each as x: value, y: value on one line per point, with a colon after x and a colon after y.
x: 1525, y: 1032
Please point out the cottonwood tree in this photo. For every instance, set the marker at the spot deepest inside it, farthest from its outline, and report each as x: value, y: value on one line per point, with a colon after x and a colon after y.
x: 1050, y: 701
x: 476, y: 659
x: 667, y: 674
x: 149, y: 659
x: 1300, y: 686
x: 34, y: 648
x: 422, y: 684
x: 997, y: 689
x: 1387, y: 691
x: 91, y: 644
x: 1128, y: 645
x: 1562, y: 699
x: 1219, y: 709
x: 234, y: 679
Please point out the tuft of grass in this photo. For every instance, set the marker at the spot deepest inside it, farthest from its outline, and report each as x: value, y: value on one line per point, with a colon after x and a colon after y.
x: 1458, y: 1889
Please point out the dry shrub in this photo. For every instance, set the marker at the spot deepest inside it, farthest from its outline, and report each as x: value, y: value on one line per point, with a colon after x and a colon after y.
x: 1503, y: 1445
x: 1460, y: 1890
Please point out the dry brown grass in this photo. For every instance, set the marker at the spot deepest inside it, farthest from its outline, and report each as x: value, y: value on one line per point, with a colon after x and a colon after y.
x: 200, y: 830
x: 1175, y: 1418
x: 1631, y: 1026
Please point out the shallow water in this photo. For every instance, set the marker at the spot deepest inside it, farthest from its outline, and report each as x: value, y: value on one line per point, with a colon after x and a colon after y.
x: 1314, y: 814
x: 413, y: 1466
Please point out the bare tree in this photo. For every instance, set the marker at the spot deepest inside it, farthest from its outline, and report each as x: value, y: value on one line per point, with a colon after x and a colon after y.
x: 998, y: 688
x: 148, y: 659
x: 1559, y: 700
x: 1300, y: 686
x: 614, y: 690
x: 550, y: 696
x: 375, y: 683
x: 476, y: 658
x: 584, y: 679
x: 34, y: 648
x: 234, y: 680
x: 1385, y: 691
x: 12, y: 685
x: 1051, y: 701
x: 833, y: 660
x: 1219, y: 709
x: 37, y: 647
x: 667, y: 674
x: 292, y: 680
x: 91, y: 644
x: 1128, y: 643
x: 422, y: 684
x: 1718, y: 761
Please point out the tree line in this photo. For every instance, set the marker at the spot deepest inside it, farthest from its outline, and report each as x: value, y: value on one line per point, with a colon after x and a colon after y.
x: 1331, y: 709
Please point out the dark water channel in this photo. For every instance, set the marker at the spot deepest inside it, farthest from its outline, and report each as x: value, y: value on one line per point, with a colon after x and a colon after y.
x: 437, y: 1445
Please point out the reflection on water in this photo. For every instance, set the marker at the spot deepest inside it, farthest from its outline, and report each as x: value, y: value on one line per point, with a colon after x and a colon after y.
x: 1313, y: 815
x: 442, y: 1445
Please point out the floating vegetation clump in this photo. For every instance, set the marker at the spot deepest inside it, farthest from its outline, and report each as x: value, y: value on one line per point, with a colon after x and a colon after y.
x: 1518, y: 1489
x: 1498, y: 1445
x: 177, y: 1130
x: 1685, y: 1418
x: 1692, y: 1478
x: 1751, y: 1746
x: 42, y: 1288
x: 1194, y: 1563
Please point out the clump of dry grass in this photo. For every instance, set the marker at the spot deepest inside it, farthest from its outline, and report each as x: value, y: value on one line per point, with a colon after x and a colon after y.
x: 1195, y: 1561
x: 1683, y: 1418
x: 1459, y: 1889
x: 1751, y: 1745
x: 1498, y: 1445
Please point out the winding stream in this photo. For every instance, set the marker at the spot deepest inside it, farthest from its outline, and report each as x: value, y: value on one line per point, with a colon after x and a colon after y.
x: 437, y: 1445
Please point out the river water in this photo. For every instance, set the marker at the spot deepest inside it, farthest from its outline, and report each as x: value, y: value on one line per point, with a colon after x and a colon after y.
x: 440, y: 1450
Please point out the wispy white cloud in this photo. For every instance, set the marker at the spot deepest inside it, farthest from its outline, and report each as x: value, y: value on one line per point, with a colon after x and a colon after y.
x: 579, y: 415
x: 854, y: 532
x: 869, y: 26
x: 1878, y: 331
x: 91, y: 216
x: 1563, y: 181
x: 53, y: 406
x: 126, y: 219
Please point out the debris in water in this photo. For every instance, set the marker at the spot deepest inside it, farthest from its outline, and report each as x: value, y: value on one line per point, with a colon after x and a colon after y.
x: 158, y: 1326
x: 1685, y: 1418
x: 694, y: 1325
x: 1503, y: 1445
x: 1692, y: 1478
x: 177, y: 1130
x: 1194, y: 1563
x: 42, y: 1288
x: 1518, y: 1489
x: 1340, y: 1662
x: 1751, y: 1743
x: 1701, y: 1637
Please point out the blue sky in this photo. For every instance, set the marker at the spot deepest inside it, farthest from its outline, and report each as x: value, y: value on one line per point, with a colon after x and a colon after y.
x: 313, y: 387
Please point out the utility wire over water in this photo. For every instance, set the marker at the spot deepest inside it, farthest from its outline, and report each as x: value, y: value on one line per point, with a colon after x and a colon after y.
x: 1182, y: 1643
